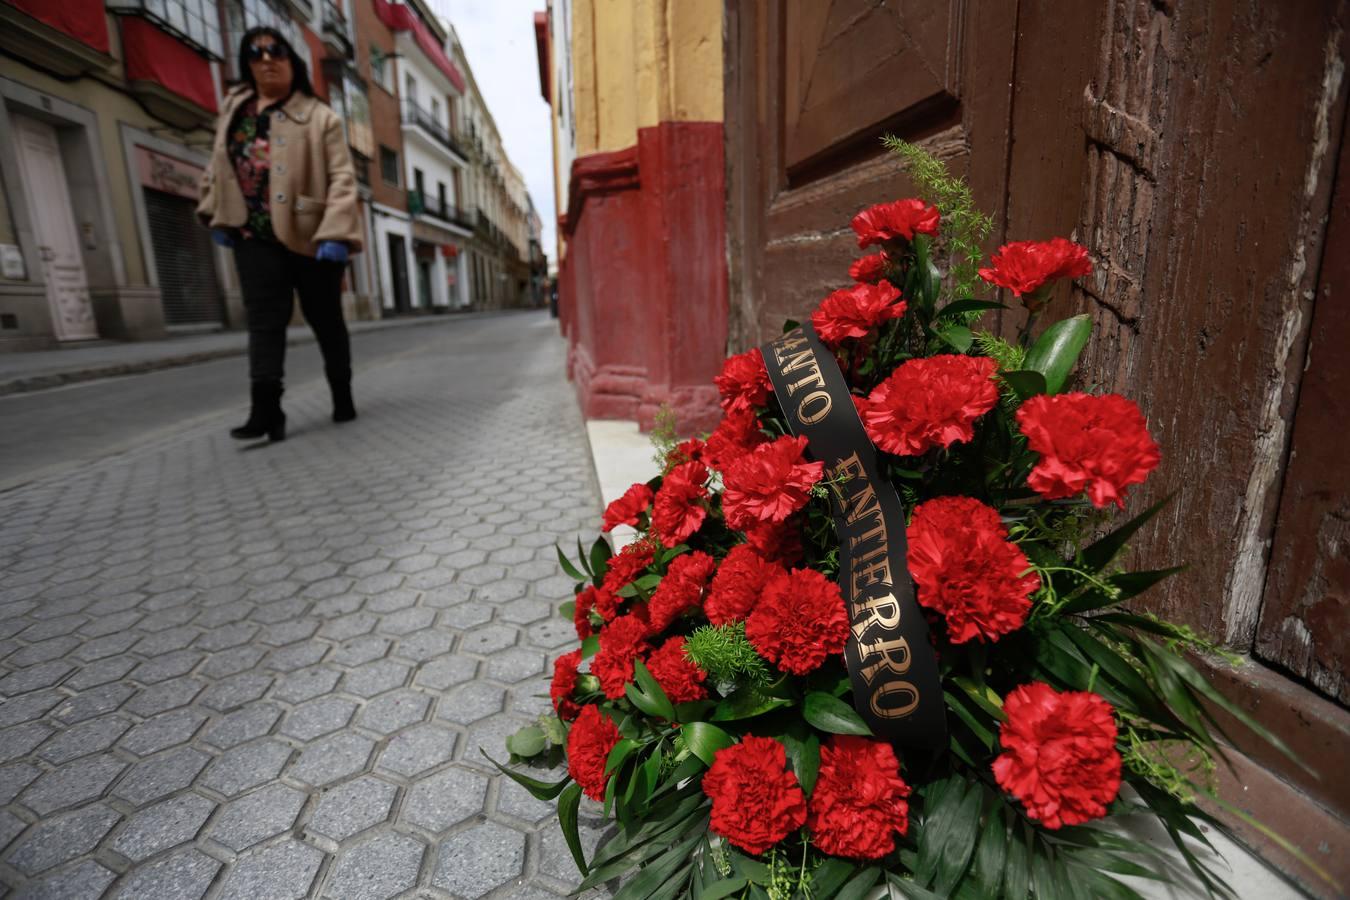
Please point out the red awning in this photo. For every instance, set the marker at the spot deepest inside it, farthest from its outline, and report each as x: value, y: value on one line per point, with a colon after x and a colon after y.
x: 154, y: 55
x: 397, y: 17
x: 84, y: 20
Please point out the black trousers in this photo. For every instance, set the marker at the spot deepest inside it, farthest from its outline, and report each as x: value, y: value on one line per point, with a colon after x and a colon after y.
x: 270, y: 276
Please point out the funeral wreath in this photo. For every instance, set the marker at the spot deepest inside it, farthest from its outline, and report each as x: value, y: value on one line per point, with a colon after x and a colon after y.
x: 874, y: 632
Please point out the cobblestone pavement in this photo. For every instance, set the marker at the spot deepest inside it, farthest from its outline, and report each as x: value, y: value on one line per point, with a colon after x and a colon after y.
x: 267, y: 672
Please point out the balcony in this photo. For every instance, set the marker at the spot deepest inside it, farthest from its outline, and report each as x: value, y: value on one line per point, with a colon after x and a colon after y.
x: 194, y: 22
x: 337, y: 38
x: 434, y: 128
x: 68, y: 41
x: 420, y: 205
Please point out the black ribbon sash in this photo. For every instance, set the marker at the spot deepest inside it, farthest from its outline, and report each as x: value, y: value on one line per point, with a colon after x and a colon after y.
x: 896, y: 687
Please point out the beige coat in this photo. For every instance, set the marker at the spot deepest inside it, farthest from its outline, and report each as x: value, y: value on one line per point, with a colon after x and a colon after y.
x: 312, y: 184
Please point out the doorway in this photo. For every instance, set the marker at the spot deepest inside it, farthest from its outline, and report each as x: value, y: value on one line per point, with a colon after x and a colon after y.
x: 39, y: 153
x: 398, y: 272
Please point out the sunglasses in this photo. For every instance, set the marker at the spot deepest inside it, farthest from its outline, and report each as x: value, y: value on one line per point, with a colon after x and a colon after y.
x: 256, y: 52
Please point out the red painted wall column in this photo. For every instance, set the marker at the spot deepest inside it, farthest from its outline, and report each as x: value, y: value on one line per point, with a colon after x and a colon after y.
x: 644, y: 284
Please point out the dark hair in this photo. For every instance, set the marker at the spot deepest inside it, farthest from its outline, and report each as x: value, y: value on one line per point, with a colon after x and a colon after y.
x: 299, y: 71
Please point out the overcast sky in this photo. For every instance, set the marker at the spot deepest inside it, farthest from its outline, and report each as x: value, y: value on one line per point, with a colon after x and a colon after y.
x: 498, y: 38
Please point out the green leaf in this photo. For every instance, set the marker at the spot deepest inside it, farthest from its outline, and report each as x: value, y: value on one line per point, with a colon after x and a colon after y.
x: 618, y: 754
x: 719, y: 889
x: 540, y: 790
x: 831, y: 874
x: 968, y: 305
x: 568, y: 802
x: 571, y: 570
x: 959, y: 337
x: 859, y: 885
x: 1017, y: 872
x: 568, y: 610
x: 590, y: 646
x: 553, y: 727
x: 528, y: 741
x: 1056, y: 351
x: 960, y: 842
x: 790, y: 324
x: 804, y: 754
x: 1128, y: 584
x: 833, y: 715
x: 747, y: 703
x: 908, y: 889
x: 980, y: 729
x: 1024, y: 383
x: 986, y: 868
x: 582, y: 561
x: 661, y: 870
x: 600, y: 554
x: 704, y: 740
x: 647, y: 694
x: 1098, y: 556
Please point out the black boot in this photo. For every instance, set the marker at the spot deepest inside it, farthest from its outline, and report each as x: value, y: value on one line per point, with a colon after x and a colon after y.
x: 340, y: 386
x: 266, y: 417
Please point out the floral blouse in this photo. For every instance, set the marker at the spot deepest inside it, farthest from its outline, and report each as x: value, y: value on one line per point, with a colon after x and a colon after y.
x: 251, y: 154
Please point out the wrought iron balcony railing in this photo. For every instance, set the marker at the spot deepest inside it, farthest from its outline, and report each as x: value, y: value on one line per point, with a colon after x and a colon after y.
x: 422, y: 118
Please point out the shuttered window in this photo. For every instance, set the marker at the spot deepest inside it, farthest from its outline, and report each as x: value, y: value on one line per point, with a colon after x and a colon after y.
x: 184, y: 261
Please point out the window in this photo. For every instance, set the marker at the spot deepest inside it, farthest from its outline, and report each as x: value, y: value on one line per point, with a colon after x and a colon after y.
x: 410, y: 89
x: 440, y: 195
x: 194, y: 21
x: 379, y: 67
x: 389, y: 166
x: 418, y: 183
x: 436, y: 111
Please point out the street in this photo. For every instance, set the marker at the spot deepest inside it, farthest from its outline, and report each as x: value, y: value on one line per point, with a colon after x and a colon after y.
x: 267, y: 671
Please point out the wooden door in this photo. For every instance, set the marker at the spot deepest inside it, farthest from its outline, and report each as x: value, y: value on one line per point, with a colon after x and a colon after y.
x: 812, y: 87
x: 54, y: 222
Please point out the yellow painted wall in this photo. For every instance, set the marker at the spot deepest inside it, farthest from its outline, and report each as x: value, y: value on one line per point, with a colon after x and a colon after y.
x: 637, y: 63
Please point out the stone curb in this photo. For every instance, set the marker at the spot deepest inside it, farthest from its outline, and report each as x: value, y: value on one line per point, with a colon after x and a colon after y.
x: 47, y: 380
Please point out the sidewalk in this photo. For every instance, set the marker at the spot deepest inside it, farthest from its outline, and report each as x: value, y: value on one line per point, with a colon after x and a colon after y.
x: 37, y: 370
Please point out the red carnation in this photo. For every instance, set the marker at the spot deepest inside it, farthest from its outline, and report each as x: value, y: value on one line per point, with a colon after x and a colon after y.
x: 967, y: 570
x: 627, y: 565
x: 564, y: 683
x: 737, y: 587
x: 679, y: 510
x: 1024, y: 267
x: 799, y: 621
x: 592, y: 736
x: 869, y: 269
x: 744, y: 382
x: 627, y: 509
x: 928, y: 403
x: 1060, y: 755
x: 778, y: 542
x: 621, y: 642
x: 858, y: 805
x: 899, y: 219
x: 756, y: 801
x: 681, y: 680
x: 607, y: 604
x: 736, y: 435
x: 581, y: 614
x: 769, y: 484
x: 680, y: 590
x: 1087, y: 443
x: 685, y: 451
x: 854, y: 312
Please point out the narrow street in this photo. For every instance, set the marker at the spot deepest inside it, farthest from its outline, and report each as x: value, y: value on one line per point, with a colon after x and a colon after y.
x: 268, y: 671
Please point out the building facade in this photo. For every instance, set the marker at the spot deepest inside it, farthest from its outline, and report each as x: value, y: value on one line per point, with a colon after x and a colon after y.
x: 642, y: 266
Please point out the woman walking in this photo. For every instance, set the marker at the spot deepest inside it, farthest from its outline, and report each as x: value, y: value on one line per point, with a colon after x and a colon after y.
x: 281, y: 190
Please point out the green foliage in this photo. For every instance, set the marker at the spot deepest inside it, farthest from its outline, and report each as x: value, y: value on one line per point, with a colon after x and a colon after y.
x: 964, y: 226
x: 665, y: 437
x: 1009, y: 357
x: 724, y: 652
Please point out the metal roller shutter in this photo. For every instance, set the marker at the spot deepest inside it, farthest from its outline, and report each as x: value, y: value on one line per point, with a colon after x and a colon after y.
x: 184, y: 261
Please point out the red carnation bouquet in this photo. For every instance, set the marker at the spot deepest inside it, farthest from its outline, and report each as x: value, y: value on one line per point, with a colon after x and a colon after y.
x: 709, y: 707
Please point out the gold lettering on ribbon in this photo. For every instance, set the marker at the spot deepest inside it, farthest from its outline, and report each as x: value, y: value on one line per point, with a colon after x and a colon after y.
x: 873, y: 609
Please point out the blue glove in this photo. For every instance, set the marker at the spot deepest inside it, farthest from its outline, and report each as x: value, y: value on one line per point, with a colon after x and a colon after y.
x: 222, y: 237
x: 332, y: 251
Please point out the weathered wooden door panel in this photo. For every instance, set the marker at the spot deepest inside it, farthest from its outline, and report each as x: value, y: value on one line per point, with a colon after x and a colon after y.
x: 1305, y: 613
x: 812, y: 87
x: 851, y: 66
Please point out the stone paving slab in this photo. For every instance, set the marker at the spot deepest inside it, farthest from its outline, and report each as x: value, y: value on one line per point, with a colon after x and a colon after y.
x: 268, y: 672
